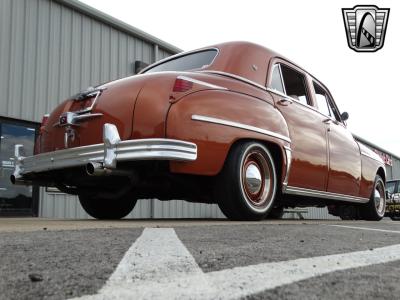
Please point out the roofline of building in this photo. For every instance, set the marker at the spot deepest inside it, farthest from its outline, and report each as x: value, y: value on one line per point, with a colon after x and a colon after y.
x: 105, y: 18
x: 362, y: 140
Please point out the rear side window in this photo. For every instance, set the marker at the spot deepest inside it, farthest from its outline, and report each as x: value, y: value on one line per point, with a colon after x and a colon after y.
x: 197, y: 60
x: 295, y: 84
x: 276, y: 80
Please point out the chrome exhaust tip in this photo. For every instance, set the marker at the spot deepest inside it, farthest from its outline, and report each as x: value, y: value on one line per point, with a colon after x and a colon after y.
x: 98, y: 169
x: 17, y: 181
x: 95, y: 169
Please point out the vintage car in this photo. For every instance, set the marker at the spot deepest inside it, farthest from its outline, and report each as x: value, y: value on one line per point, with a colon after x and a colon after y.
x: 234, y: 124
x: 393, y: 199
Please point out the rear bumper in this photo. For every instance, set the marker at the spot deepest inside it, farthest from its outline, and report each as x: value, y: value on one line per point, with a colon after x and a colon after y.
x: 110, y: 152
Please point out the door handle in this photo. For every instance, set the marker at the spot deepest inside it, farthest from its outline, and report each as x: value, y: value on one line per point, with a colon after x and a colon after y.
x: 327, y: 121
x: 285, y: 101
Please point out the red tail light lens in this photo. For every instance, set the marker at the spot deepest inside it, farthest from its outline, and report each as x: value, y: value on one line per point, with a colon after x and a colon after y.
x: 182, y: 85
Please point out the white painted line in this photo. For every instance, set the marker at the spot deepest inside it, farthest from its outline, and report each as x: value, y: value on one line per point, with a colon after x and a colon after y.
x: 158, y: 266
x: 243, y: 281
x: 366, y: 228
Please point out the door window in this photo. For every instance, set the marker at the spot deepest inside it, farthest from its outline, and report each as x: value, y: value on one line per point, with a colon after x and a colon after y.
x: 15, y: 199
x: 324, y: 102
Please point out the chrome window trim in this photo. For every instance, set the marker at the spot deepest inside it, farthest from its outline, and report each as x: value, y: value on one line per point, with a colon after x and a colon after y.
x: 108, y: 153
x: 377, y: 158
x: 291, y: 190
x: 240, y: 125
x: 172, y: 57
x: 236, y: 77
x: 212, y: 86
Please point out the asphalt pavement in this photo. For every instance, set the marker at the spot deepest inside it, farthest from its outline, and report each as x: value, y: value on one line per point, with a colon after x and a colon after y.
x: 199, y: 259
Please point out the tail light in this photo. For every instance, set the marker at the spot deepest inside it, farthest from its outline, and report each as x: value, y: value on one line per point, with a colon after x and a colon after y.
x: 185, y: 85
x: 182, y: 85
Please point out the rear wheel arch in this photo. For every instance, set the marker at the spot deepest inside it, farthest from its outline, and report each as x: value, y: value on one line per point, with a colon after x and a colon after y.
x: 381, y: 172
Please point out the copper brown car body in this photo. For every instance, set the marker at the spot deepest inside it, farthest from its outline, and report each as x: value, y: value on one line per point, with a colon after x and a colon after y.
x: 249, y: 130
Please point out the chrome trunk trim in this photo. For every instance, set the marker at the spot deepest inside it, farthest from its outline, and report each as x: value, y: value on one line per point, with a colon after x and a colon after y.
x: 291, y: 190
x: 241, y: 126
x: 110, y: 152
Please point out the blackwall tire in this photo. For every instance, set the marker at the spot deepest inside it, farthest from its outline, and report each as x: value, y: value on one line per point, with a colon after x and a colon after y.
x: 107, y: 209
x: 246, y: 188
x: 374, y: 210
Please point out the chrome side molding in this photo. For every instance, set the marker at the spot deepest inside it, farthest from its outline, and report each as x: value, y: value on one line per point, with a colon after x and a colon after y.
x: 291, y: 190
x: 376, y: 158
x: 241, y: 126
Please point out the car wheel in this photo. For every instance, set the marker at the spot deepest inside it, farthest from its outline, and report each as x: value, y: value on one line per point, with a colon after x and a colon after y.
x: 246, y: 187
x: 395, y: 218
x: 374, y: 210
x: 276, y: 213
x: 111, y: 209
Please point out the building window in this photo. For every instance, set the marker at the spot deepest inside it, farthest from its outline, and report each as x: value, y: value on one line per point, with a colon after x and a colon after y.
x: 16, y: 199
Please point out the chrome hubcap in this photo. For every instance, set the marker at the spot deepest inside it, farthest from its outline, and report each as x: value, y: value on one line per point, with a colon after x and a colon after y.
x: 256, y: 180
x: 253, y: 178
x: 379, y: 200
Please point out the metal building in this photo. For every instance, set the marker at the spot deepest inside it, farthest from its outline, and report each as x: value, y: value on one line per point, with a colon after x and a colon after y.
x: 51, y: 49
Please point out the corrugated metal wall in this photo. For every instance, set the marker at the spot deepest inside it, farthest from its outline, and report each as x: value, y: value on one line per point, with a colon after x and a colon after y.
x: 49, y: 51
x: 395, y: 174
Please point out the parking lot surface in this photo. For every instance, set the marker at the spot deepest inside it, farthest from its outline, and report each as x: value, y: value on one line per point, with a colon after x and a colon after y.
x: 198, y: 259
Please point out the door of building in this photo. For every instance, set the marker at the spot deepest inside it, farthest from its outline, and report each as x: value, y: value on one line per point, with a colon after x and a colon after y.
x: 16, y: 200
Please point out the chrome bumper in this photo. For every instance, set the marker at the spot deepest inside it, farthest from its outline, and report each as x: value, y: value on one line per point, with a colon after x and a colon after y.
x: 110, y: 152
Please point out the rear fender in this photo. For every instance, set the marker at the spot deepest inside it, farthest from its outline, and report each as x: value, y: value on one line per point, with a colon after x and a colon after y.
x: 187, y: 120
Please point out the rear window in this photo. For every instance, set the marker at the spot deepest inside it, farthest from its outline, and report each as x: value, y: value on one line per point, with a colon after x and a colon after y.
x: 197, y: 60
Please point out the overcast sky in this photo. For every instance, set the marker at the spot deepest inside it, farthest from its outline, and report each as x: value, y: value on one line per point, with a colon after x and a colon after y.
x: 310, y: 33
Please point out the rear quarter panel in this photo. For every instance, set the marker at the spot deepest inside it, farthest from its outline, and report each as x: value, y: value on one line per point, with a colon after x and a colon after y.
x: 214, y: 140
x: 370, y: 163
